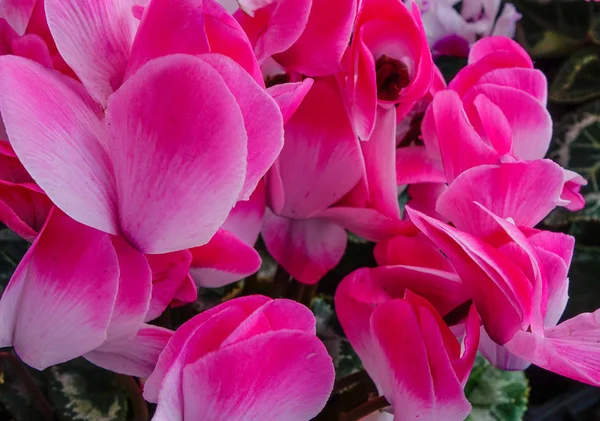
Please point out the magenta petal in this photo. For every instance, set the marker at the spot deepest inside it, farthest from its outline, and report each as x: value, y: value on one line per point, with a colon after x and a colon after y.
x: 532, y: 81
x: 62, y: 152
x: 223, y: 260
x: 418, y: 379
x: 329, y: 26
x: 33, y: 47
x: 17, y: 13
x: 295, y: 371
x: 491, y: 45
x: 289, y: 96
x: 169, y: 275
x: 262, y: 119
x: 523, y: 191
x: 487, y: 274
x: 94, y: 38
x: 168, y: 27
x: 306, y: 248
x: 178, y: 174
x: 135, y: 289
x: 132, y: 356
x: 24, y: 208
x: 59, y: 302
x: 498, y: 355
x: 571, y: 349
x: 414, y: 165
x: 319, y: 146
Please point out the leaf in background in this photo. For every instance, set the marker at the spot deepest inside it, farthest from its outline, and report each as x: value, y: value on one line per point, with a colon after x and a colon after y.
x: 578, y: 79
x: 553, y: 28
x: 80, y: 391
x: 12, y: 249
x: 595, y: 29
x: 496, y: 395
x: 330, y: 332
x: 450, y: 65
x: 584, y: 286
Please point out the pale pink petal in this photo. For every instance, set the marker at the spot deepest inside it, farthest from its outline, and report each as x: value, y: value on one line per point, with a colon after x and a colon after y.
x: 168, y: 27
x: 245, y: 219
x: 571, y: 190
x: 94, y: 38
x: 491, y: 123
x: 223, y: 260
x: 133, y: 295
x: 306, y: 248
x: 329, y: 26
x: 494, y: 44
x: 175, y: 348
x: 506, y: 24
x: 523, y: 191
x: 17, y: 13
x: 498, y: 355
x: 294, y: 370
x: 169, y: 274
x: 262, y: 119
x: 571, y: 349
x: 319, y: 146
x: 57, y: 138
x: 557, y: 283
x: 380, y: 164
x: 132, y: 356
x: 488, y: 275
x: 178, y: 174
x: 530, y: 122
x: 289, y: 96
x: 414, y: 165
x: 59, y: 302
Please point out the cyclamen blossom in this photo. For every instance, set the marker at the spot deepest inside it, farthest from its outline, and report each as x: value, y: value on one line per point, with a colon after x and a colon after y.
x: 251, y: 359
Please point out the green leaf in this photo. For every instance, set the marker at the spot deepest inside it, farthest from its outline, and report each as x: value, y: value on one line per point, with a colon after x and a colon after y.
x: 595, y: 29
x: 584, y: 285
x: 12, y: 249
x: 330, y: 332
x: 554, y: 28
x: 496, y: 395
x: 578, y: 79
x: 80, y: 391
x: 450, y: 66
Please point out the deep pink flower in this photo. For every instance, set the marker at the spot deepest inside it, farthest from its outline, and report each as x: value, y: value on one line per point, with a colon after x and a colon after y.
x: 409, y: 351
x: 516, y: 275
x: 389, y: 62
x: 251, y: 358
x: 79, y: 291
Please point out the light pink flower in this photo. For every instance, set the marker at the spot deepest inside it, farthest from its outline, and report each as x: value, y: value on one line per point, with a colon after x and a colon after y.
x: 251, y: 358
x: 79, y: 291
x: 389, y: 62
x: 404, y: 344
x: 452, y: 32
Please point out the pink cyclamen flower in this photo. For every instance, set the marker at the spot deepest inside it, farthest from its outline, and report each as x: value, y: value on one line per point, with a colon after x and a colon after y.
x: 309, y: 202
x: 478, y: 111
x: 193, y: 171
x: 516, y: 275
x: 409, y: 351
x: 452, y: 32
x: 79, y: 291
x: 389, y: 62
x: 251, y: 358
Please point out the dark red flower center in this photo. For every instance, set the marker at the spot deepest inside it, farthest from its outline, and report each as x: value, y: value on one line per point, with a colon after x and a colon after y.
x: 392, y: 76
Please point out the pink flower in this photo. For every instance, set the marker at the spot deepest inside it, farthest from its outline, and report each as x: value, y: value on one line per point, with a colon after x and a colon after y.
x: 478, y: 112
x: 409, y: 351
x: 317, y: 186
x: 251, y: 358
x: 515, y: 275
x: 389, y: 62
x: 79, y: 291
x: 176, y: 191
x: 452, y: 32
